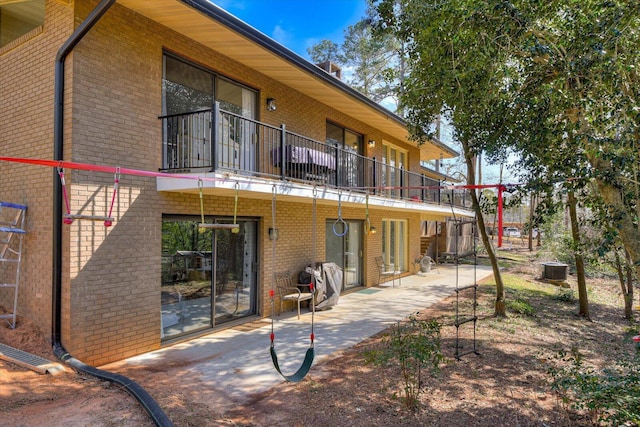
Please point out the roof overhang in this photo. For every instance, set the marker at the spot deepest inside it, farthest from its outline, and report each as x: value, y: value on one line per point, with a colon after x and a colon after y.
x: 217, y: 29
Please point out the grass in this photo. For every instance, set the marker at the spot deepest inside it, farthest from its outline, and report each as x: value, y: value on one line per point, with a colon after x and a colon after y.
x: 521, y: 307
x: 517, y: 285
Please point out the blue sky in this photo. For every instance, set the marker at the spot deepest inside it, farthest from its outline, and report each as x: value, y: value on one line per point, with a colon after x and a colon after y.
x: 300, y: 24
x: 297, y: 24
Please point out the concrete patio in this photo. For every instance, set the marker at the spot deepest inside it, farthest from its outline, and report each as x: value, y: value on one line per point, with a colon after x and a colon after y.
x: 236, y: 361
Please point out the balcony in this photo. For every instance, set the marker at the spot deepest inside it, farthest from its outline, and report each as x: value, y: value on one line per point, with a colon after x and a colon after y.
x: 215, y: 140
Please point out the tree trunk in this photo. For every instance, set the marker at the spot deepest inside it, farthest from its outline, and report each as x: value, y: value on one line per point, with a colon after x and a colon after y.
x: 531, y: 208
x: 628, y: 231
x: 628, y: 295
x: 500, y: 307
x: 575, y: 233
x: 626, y: 284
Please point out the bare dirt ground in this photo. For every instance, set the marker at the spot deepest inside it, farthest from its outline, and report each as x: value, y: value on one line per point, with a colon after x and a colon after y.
x: 507, y: 384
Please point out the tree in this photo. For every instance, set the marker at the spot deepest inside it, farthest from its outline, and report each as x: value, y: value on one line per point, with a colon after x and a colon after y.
x: 371, y: 59
x: 458, y: 68
x: 581, y: 56
x: 550, y: 162
x: 375, y: 63
x: 325, y: 51
x: 578, y: 59
x: 494, y: 63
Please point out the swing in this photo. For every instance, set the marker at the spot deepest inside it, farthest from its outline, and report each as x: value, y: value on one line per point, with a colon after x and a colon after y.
x: 340, y: 221
x: 68, y: 217
x: 310, y: 354
x: 235, y: 228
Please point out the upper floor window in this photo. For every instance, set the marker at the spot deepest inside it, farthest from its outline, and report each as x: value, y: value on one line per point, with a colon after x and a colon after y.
x: 344, y: 138
x: 188, y: 96
x: 188, y: 88
x: 18, y: 19
x: 395, y: 163
x: 349, y: 158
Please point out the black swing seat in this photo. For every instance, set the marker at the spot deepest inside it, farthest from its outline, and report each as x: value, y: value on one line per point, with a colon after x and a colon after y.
x: 89, y: 217
x: 300, y: 373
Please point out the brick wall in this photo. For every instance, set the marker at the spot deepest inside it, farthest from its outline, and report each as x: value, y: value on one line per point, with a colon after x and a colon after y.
x: 111, y: 276
x: 26, y: 130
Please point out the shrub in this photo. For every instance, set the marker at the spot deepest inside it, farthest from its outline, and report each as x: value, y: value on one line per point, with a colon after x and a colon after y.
x: 565, y: 295
x: 611, y: 396
x: 414, y: 345
x: 521, y: 307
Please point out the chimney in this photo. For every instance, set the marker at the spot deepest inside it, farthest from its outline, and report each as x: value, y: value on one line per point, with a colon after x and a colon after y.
x: 330, y: 68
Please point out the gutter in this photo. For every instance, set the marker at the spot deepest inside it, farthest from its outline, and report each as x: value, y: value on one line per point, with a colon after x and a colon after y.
x: 152, y: 408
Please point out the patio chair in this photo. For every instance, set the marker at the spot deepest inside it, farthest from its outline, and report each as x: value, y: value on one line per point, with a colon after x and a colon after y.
x: 387, y: 271
x: 288, y: 292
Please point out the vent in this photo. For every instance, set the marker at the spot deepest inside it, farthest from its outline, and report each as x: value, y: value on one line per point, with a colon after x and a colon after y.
x: 28, y: 360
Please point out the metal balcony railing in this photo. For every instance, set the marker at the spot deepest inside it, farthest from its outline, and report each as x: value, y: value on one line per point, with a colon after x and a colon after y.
x: 218, y: 140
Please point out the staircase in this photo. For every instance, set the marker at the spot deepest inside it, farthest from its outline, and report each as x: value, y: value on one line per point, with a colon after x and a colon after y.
x: 11, y: 233
x: 425, y: 243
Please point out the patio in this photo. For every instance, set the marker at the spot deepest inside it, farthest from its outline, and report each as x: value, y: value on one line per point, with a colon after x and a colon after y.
x: 236, y: 363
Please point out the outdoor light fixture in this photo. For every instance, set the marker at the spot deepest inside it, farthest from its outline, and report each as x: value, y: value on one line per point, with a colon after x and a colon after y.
x: 372, y: 143
x: 273, y: 234
x: 271, y: 104
x: 368, y: 228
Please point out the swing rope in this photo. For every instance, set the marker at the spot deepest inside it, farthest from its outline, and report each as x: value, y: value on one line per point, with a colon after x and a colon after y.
x: 69, y: 217
x: 201, y: 202
x: 340, y: 221
x: 116, y: 182
x: 310, y: 354
x: 368, y: 229
x: 235, y: 228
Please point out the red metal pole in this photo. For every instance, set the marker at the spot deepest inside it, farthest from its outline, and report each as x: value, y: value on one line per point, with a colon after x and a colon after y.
x: 500, y: 189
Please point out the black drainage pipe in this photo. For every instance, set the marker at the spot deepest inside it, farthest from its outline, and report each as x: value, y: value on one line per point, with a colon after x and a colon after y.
x: 147, y: 402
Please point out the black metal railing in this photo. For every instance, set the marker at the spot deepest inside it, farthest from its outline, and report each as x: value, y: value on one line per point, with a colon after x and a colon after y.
x: 218, y: 140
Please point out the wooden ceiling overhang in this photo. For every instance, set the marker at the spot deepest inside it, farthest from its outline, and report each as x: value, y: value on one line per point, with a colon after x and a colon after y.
x: 215, y: 28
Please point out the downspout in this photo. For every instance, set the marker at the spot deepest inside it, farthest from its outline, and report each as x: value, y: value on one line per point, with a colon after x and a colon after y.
x: 152, y: 408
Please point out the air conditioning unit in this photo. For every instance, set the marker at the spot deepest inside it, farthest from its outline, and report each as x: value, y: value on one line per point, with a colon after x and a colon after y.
x: 555, y: 271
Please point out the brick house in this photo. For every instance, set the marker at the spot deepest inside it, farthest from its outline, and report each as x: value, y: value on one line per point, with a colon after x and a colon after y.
x: 235, y: 128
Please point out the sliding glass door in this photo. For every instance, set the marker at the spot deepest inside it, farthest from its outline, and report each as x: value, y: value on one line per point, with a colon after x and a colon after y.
x: 346, y: 251
x: 235, y: 272
x: 395, y: 243
x: 209, y: 277
x: 189, y: 92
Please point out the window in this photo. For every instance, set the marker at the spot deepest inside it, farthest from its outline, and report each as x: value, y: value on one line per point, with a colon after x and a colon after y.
x: 188, y: 88
x: 185, y: 88
x: 395, y: 161
x: 186, y: 276
x: 394, y: 243
x: 18, y: 19
x: 344, y: 138
x: 208, y: 277
x: 189, y: 93
x: 350, y: 161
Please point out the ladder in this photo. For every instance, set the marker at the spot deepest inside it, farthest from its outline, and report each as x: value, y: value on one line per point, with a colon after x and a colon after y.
x: 12, y: 231
x: 472, y: 317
